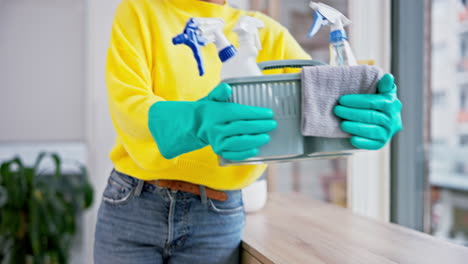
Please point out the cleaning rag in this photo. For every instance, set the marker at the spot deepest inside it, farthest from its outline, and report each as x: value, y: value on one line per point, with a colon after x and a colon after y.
x: 322, y: 86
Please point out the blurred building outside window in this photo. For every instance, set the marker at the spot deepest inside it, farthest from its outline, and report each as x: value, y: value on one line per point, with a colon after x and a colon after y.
x: 448, y: 162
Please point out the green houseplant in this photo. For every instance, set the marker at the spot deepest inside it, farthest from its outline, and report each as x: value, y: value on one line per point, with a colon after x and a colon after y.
x: 38, y: 210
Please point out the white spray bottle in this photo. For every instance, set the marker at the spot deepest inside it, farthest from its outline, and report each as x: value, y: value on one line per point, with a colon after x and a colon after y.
x: 340, y: 50
x: 249, y: 45
x: 254, y: 195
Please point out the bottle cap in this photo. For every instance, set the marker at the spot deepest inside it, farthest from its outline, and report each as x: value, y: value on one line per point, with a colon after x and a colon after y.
x: 227, y: 53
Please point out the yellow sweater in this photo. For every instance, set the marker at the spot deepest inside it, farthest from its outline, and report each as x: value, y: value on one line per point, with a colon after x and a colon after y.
x: 144, y: 67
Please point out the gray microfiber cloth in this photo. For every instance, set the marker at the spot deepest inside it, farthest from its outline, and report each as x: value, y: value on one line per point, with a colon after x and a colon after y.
x: 322, y: 86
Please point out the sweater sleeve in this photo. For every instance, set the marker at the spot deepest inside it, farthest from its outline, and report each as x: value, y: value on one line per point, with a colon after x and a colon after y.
x: 130, y: 86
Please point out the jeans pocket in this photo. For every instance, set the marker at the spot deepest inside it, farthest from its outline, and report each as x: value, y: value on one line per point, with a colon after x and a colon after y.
x: 233, y: 205
x: 119, y: 189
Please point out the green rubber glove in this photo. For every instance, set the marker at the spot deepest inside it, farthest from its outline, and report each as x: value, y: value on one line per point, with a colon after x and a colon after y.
x: 372, y: 119
x: 234, y: 131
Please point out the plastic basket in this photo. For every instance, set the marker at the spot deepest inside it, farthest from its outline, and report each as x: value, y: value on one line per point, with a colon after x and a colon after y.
x: 282, y: 94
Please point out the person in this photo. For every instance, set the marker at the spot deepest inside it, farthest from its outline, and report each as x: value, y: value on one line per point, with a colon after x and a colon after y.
x: 167, y: 199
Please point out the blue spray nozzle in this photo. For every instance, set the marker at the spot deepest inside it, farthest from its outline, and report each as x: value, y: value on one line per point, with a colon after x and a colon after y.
x: 319, y: 21
x: 193, y: 39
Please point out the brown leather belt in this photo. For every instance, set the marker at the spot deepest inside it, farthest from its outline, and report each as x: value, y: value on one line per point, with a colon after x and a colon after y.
x: 190, y: 188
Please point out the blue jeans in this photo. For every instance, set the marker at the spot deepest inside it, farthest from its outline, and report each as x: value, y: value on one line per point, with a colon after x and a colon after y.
x: 141, y: 223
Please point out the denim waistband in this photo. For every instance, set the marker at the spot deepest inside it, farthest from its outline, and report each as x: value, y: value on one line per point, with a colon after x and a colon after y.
x: 141, y: 185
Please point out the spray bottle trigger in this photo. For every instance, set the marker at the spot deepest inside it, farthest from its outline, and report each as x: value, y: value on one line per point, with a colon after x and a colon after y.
x: 192, y: 36
x: 319, y: 21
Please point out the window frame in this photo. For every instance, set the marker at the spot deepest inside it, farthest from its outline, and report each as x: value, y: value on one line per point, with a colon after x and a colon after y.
x: 410, y: 66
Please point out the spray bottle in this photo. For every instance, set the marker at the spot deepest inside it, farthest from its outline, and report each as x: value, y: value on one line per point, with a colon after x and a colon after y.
x: 340, y: 50
x: 254, y: 195
x: 249, y: 45
x: 202, y: 31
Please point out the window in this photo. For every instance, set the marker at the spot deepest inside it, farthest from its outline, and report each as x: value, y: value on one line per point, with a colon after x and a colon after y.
x: 430, y: 176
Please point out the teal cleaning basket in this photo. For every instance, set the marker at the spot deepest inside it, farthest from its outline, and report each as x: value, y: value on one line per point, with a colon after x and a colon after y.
x: 282, y: 94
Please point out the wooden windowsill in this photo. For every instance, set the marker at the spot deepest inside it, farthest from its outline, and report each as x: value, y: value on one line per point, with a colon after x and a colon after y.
x: 295, y: 229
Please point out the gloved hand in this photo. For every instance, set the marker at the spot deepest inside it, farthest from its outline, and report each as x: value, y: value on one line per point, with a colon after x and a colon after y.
x: 372, y: 119
x: 234, y: 131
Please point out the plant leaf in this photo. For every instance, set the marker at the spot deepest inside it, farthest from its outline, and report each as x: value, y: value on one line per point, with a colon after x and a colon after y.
x: 88, y: 192
x: 14, y: 182
x: 34, y: 228
x: 58, y: 163
x: 39, y: 159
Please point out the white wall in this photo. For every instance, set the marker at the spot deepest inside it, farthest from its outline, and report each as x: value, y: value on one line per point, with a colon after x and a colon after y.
x: 41, y: 70
x: 99, y: 131
x: 53, y: 90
